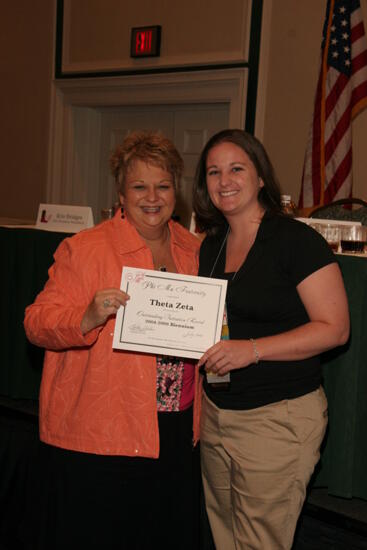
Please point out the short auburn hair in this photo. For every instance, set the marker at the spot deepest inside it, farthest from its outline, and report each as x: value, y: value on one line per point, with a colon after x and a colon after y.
x: 150, y: 147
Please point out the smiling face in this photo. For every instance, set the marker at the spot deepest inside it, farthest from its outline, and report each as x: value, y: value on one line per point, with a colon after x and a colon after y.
x: 148, y: 197
x: 232, y: 180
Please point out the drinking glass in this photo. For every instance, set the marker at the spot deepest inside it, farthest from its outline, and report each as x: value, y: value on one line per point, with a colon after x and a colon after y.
x: 107, y: 213
x: 353, y: 239
x: 330, y: 232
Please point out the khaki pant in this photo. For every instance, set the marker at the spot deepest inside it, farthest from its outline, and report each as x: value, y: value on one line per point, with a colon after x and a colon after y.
x: 256, y: 465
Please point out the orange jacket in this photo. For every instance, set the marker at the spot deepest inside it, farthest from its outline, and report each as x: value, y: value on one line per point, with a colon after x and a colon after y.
x: 93, y: 398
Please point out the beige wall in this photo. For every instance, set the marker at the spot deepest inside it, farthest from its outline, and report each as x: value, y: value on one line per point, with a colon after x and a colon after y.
x: 26, y: 64
x: 294, y: 46
x: 97, y: 33
x: 291, y: 49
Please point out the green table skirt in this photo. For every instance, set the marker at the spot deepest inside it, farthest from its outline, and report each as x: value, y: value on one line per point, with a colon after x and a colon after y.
x: 28, y: 253
x: 344, y: 455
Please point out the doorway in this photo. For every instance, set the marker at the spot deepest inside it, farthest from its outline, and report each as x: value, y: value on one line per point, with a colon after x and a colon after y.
x: 91, y: 116
x: 188, y: 126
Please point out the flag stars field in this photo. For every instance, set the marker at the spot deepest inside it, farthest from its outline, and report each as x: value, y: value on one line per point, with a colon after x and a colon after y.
x: 341, y: 94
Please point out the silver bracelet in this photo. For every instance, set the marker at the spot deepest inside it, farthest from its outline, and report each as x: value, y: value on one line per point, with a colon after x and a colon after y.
x: 256, y: 351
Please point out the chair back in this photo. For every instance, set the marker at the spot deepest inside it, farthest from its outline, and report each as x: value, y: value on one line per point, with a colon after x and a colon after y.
x: 349, y: 209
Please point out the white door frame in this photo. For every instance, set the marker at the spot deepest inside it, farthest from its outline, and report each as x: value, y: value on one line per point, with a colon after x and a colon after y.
x: 211, y: 86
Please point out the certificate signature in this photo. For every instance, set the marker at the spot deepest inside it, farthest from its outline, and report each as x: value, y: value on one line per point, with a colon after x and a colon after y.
x: 169, y: 313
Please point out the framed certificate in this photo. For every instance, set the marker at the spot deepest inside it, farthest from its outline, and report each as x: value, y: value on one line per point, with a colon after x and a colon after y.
x: 169, y: 313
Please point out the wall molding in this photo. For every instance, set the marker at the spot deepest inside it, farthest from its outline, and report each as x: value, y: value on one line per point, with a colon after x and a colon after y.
x: 117, y: 60
x: 224, y: 86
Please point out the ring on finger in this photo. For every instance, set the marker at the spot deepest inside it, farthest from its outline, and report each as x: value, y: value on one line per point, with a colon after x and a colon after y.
x: 106, y: 303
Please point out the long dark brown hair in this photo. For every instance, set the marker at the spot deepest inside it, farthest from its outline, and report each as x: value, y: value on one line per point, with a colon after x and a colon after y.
x: 208, y: 217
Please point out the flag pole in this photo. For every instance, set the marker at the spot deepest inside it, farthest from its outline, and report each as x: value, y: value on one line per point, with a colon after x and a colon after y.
x: 322, y: 121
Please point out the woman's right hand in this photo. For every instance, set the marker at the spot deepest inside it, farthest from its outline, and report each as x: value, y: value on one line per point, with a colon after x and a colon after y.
x: 105, y: 303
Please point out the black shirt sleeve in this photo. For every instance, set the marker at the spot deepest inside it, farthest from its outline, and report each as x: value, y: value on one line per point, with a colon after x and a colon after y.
x: 305, y: 251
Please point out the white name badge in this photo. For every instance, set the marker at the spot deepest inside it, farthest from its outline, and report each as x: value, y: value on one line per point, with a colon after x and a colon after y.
x: 64, y: 218
x: 169, y: 313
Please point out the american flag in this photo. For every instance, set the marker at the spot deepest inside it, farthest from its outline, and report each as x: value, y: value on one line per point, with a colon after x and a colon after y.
x: 340, y: 95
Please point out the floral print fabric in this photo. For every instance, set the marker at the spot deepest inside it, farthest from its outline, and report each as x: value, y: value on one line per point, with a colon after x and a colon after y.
x: 169, y: 383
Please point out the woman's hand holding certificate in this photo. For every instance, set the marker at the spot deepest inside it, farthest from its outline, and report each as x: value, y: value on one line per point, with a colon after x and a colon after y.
x: 169, y: 313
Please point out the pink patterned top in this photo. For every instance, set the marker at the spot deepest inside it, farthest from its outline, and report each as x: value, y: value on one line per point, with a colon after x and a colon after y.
x: 175, y: 384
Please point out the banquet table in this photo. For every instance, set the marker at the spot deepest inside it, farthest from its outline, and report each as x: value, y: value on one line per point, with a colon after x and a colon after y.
x: 28, y: 253
x: 344, y: 455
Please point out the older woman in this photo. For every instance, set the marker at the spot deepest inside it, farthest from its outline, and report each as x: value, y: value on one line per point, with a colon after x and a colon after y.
x: 119, y: 464
x: 286, y: 304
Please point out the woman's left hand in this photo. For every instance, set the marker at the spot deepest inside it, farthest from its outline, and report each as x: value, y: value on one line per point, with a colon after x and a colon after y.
x: 227, y: 355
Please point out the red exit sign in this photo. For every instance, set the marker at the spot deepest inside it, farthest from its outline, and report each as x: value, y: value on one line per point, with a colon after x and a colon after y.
x: 145, y: 41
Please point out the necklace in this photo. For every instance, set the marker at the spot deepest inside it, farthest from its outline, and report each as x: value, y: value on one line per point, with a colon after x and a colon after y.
x: 161, y: 252
x: 219, y: 253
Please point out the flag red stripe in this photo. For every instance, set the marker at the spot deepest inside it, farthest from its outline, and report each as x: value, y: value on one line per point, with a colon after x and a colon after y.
x: 359, y: 93
x: 346, y: 97
x: 334, y: 94
x: 357, y: 31
x: 340, y: 129
x: 339, y: 177
x: 359, y: 61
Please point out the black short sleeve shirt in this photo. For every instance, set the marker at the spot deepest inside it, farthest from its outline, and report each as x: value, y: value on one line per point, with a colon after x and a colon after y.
x: 262, y: 300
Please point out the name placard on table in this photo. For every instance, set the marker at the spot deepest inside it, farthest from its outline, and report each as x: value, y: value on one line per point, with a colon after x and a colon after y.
x: 169, y: 313
x: 64, y: 218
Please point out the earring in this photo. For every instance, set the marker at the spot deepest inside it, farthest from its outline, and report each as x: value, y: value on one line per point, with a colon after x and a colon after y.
x: 122, y: 213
